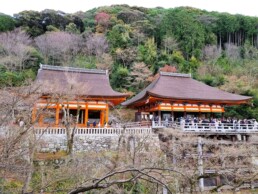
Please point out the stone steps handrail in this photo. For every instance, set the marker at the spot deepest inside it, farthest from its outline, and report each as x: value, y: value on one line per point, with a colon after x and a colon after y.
x: 136, y: 124
x: 93, y: 131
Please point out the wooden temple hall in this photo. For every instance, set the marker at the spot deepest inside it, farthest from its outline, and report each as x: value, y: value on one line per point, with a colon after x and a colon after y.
x: 85, y: 92
x: 175, y: 95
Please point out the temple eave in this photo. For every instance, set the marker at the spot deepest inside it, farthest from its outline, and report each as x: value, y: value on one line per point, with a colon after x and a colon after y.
x: 154, y: 98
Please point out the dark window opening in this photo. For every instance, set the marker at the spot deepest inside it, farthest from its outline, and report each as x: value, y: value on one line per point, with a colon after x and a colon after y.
x: 75, y: 113
x: 94, y: 115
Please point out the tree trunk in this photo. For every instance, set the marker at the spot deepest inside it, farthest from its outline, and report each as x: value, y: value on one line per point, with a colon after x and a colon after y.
x: 31, y: 164
x: 243, y: 38
x: 229, y: 38
x: 256, y: 40
x: 69, y: 146
x: 70, y: 142
x: 200, y: 163
x: 27, y: 181
x: 235, y: 33
x: 220, y: 41
x: 238, y: 39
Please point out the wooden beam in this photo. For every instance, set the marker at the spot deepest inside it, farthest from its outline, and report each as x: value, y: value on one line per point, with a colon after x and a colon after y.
x: 153, y: 99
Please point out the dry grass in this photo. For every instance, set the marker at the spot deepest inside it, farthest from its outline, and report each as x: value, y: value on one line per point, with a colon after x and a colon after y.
x: 50, y: 156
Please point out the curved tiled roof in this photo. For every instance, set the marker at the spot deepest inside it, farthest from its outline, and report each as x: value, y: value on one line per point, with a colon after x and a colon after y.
x: 78, y: 81
x: 182, y: 87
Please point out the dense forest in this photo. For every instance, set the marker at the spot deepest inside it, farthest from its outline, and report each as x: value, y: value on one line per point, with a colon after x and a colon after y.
x: 219, y: 49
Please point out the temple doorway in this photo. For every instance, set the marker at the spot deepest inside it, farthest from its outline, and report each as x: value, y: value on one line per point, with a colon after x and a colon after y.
x: 94, y: 116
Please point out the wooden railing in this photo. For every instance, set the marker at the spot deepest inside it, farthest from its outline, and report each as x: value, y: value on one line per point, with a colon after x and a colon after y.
x: 94, y: 131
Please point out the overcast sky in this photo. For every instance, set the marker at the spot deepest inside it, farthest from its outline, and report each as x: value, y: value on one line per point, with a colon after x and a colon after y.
x: 245, y: 7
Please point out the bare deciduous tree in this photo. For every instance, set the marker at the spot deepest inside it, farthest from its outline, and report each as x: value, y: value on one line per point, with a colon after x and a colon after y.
x: 105, y: 62
x: 96, y: 45
x: 232, y: 51
x: 229, y: 164
x: 14, y: 49
x: 126, y: 56
x: 170, y: 44
x: 141, y: 75
x: 18, y: 142
x: 211, y: 53
x: 59, y: 47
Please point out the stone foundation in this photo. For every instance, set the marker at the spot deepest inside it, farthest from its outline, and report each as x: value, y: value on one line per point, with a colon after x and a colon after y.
x: 54, y: 142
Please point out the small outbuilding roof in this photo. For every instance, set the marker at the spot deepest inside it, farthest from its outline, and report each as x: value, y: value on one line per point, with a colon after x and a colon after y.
x: 77, y: 81
x: 176, y: 86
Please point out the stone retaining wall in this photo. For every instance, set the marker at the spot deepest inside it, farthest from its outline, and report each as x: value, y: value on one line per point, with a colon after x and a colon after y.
x: 53, y: 143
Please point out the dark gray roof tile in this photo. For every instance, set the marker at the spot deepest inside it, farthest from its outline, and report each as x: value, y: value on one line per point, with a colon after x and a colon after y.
x: 182, y: 87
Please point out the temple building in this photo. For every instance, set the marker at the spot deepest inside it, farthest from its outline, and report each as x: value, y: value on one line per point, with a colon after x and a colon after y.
x: 175, y: 95
x: 85, y: 92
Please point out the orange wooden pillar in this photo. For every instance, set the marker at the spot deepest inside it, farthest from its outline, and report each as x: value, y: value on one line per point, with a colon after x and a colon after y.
x: 86, y: 114
x: 34, y: 112
x: 102, y: 118
x: 184, y: 110
x: 57, y: 114
x: 41, y: 118
x: 199, y: 109
x: 106, y: 113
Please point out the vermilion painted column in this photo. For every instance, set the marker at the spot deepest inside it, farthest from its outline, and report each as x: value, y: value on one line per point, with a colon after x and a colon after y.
x: 159, y: 114
x: 107, y: 113
x: 57, y: 114
x: 86, y: 114
x: 184, y: 110
x: 102, y: 118
x: 34, y: 111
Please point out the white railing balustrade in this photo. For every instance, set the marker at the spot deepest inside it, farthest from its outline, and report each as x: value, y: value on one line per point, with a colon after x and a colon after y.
x: 94, y: 131
x: 164, y: 124
x: 142, y: 128
x: 207, y: 127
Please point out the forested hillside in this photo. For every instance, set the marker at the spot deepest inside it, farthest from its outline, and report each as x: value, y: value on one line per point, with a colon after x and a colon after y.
x: 219, y: 49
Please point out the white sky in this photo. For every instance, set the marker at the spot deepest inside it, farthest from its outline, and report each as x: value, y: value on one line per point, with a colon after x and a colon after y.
x: 245, y: 7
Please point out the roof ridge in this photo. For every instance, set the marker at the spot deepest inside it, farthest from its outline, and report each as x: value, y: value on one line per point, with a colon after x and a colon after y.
x: 175, y: 74
x: 73, y: 69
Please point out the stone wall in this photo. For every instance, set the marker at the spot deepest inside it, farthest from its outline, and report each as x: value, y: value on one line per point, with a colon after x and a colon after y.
x: 57, y: 142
